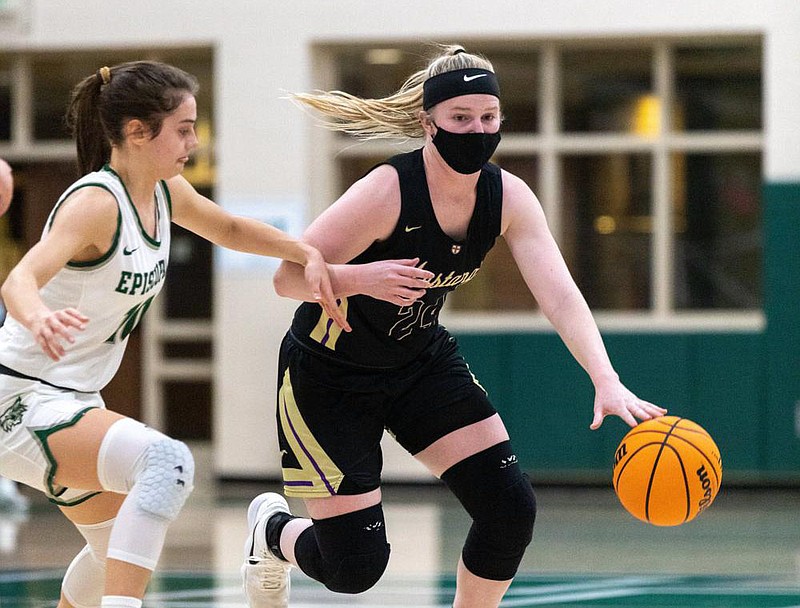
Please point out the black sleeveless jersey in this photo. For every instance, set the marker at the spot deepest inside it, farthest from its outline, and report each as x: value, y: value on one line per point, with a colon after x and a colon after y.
x: 385, y: 335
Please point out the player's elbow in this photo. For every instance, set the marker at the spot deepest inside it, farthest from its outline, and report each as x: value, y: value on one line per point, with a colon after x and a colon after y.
x: 8, y: 287
x: 281, y: 281
x: 289, y: 282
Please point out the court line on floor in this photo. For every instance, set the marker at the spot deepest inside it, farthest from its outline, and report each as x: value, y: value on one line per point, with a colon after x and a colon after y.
x: 220, y: 593
x: 528, y: 588
x: 528, y: 595
x: 30, y: 575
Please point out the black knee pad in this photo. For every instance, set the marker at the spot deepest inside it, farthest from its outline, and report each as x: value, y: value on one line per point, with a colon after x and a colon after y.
x: 347, y: 553
x: 501, y: 502
x: 358, y: 573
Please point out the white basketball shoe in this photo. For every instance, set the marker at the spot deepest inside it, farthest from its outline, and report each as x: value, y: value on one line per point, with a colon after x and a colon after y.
x: 264, y: 575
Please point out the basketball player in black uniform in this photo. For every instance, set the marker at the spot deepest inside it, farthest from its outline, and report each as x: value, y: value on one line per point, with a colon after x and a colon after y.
x: 402, y: 237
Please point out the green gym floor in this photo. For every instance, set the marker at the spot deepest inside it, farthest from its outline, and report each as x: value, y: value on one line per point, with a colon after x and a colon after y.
x: 587, y: 551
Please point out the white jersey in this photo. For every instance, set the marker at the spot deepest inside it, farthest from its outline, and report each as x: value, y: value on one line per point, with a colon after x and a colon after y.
x: 113, y: 291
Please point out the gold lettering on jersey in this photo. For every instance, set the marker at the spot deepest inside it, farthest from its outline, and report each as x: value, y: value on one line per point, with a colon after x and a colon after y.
x: 451, y: 280
x: 140, y: 283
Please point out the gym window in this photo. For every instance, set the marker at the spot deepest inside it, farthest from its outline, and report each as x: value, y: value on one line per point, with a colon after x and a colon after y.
x: 646, y: 156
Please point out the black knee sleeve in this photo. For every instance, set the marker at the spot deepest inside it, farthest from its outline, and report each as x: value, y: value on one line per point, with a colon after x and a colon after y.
x: 347, y: 553
x: 500, y: 500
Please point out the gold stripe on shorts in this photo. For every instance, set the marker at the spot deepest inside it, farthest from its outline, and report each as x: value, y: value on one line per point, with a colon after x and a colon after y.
x: 318, y: 475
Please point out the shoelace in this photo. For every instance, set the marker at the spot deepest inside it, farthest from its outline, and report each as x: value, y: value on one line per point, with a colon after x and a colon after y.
x: 271, y: 575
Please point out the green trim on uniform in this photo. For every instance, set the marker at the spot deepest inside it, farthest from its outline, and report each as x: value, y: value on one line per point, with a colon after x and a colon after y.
x: 90, y: 264
x: 53, y: 490
x: 167, y: 197
x: 152, y: 242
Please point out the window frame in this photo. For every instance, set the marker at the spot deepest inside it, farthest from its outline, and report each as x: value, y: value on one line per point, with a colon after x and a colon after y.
x: 157, y: 367
x: 550, y: 144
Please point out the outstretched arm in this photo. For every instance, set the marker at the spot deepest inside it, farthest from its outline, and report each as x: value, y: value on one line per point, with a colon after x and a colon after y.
x: 547, y: 276
x: 397, y: 281
x: 366, y: 213
x: 207, y: 219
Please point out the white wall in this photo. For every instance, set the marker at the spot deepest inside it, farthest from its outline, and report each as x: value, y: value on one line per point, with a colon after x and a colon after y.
x: 781, y: 94
x: 263, y: 48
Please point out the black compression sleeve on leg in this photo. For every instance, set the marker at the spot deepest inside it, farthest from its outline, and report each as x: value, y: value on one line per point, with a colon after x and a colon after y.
x: 347, y: 553
x: 499, y: 498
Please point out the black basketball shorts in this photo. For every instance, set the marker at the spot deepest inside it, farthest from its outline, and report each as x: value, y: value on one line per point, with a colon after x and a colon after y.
x: 331, y: 416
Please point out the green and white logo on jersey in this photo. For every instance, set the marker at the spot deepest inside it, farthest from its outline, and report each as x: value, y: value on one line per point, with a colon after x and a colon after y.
x: 12, y: 416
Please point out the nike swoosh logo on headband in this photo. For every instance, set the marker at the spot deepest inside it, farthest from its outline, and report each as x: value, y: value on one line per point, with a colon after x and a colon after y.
x: 468, y: 78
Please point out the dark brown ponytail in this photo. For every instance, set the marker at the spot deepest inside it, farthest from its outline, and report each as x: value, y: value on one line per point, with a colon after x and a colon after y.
x: 83, y: 120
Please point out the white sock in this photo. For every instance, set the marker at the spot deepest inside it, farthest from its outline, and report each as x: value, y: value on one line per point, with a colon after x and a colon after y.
x: 120, y: 601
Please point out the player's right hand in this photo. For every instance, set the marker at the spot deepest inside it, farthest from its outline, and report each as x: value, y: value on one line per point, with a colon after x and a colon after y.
x: 53, y: 329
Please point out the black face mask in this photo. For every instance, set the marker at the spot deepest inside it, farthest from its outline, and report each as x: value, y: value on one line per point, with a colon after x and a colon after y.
x: 465, y: 152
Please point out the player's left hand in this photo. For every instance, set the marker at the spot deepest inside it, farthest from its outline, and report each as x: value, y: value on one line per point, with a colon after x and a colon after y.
x: 613, y: 398
x: 319, y: 280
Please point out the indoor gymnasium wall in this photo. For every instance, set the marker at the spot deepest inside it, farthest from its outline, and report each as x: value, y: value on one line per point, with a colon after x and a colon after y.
x: 742, y: 385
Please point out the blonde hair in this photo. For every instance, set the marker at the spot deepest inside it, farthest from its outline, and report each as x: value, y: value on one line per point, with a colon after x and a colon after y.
x: 390, y: 117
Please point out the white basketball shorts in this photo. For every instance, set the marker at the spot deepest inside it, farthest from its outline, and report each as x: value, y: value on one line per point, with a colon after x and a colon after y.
x: 30, y: 412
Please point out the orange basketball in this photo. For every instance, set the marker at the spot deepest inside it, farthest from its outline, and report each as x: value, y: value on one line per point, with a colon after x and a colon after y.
x: 667, y: 471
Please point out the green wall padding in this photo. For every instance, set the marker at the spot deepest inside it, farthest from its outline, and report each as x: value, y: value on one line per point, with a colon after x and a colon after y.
x: 743, y: 387
x: 782, y: 309
x: 546, y: 399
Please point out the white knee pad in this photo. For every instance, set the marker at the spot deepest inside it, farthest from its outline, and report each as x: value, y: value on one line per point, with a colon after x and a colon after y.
x: 85, y: 578
x: 157, y: 473
x: 84, y: 581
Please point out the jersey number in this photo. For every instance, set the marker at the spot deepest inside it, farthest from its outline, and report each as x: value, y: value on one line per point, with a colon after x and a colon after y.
x: 129, y: 322
x: 419, y: 314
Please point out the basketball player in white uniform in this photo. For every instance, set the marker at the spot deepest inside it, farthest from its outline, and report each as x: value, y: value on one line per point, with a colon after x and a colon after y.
x: 74, y: 299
